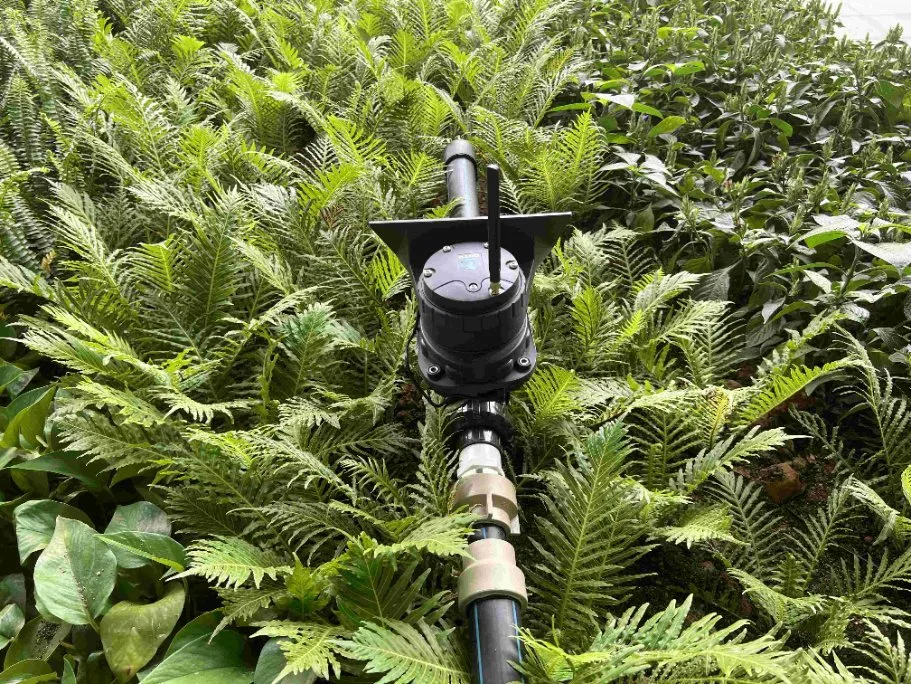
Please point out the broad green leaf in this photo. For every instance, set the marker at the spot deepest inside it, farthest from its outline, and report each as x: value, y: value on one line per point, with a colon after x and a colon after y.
x: 204, y: 625
x: 75, y: 574
x: 686, y: 68
x: 271, y: 663
x: 69, y: 674
x: 12, y: 590
x: 782, y: 126
x: 28, y: 672
x: 896, y: 253
x: 667, y: 125
x: 203, y: 661
x: 822, y: 235
x: 69, y: 463
x: 645, y: 109
x: 11, y: 623
x: 36, y: 641
x: 135, y: 549
x: 141, y: 516
x: 13, y: 379
x: 132, y: 632
x: 35, y: 522
x: 27, y: 424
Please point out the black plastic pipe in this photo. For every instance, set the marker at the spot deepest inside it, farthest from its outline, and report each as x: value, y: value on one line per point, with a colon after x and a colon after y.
x: 462, y: 177
x: 493, y: 624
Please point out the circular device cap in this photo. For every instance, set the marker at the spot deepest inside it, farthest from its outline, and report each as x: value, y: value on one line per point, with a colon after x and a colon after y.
x: 457, y: 277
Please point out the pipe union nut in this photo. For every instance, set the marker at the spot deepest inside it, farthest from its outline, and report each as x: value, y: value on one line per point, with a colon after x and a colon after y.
x: 491, y: 571
x: 490, y: 496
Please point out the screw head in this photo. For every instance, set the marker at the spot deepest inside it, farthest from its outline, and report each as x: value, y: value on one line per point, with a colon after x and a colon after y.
x: 486, y: 245
x: 428, y: 272
x: 524, y: 362
x: 512, y: 265
x: 434, y: 370
x: 447, y: 248
x: 473, y: 287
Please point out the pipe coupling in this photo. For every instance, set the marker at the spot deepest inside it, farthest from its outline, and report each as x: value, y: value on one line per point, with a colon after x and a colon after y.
x: 491, y: 570
x: 490, y: 496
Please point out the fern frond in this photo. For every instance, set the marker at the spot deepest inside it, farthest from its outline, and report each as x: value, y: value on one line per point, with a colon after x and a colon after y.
x: 700, y: 525
x: 406, y: 653
x: 770, y: 393
x: 231, y: 562
x: 589, y: 537
x: 753, y: 523
x: 309, y: 647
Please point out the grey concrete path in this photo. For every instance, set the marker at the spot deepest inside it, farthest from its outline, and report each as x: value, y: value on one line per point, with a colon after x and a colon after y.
x: 874, y: 18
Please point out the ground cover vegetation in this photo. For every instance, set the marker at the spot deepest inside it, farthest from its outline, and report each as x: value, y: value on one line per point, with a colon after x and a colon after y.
x: 213, y: 467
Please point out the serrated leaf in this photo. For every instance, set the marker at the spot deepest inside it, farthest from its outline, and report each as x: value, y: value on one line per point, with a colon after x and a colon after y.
x: 405, y: 653
x: 272, y: 662
x: 307, y: 646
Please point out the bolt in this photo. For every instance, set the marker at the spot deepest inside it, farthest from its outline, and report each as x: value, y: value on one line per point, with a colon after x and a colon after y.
x: 473, y: 287
x: 486, y: 246
x: 447, y: 248
x: 512, y: 265
x: 434, y: 371
x: 524, y: 362
x: 428, y: 272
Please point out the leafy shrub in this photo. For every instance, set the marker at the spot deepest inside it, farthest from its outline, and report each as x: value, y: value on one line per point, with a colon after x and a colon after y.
x: 183, y: 206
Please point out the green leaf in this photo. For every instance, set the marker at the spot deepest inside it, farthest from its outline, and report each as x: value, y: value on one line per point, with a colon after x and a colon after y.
x: 75, y: 574
x: 822, y: 235
x: 686, y: 68
x: 896, y: 253
x: 37, y: 640
x: 197, y: 660
x: 35, y: 522
x: 666, y: 125
x: 309, y: 647
x: 135, y: 549
x: 12, y: 590
x: 404, y: 653
x: 28, y: 672
x: 69, y: 675
x: 69, y: 463
x: 28, y: 422
x: 645, y: 109
x: 782, y: 126
x: 13, y: 379
x: 141, y: 516
x: 132, y: 632
x: 11, y: 623
x: 272, y: 662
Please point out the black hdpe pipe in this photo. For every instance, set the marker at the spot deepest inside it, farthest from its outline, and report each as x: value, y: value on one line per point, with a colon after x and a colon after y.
x: 493, y: 621
x: 493, y: 624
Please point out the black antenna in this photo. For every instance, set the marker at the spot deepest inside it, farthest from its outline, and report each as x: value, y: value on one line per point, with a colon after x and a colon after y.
x: 493, y: 226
